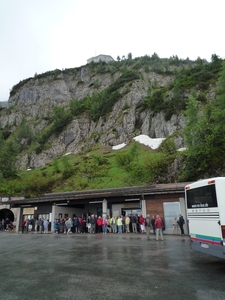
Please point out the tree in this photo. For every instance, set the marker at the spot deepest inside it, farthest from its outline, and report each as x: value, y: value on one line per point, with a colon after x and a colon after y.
x: 135, y: 150
x: 199, y: 138
x: 129, y: 56
x: 62, y: 117
x: 155, y: 56
x: 8, y: 158
x: 216, y: 63
x: 192, y: 116
x: 205, y: 134
x: 25, y: 132
x: 220, y: 90
x: 156, y: 100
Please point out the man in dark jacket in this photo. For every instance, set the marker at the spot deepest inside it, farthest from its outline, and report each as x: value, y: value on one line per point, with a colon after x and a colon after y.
x: 148, y: 226
x: 153, y: 223
x: 41, y: 224
x: 181, y: 224
x: 76, y: 224
x: 133, y: 220
x: 93, y: 221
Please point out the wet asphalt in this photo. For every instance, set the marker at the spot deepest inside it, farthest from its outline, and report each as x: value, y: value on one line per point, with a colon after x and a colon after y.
x: 111, y: 266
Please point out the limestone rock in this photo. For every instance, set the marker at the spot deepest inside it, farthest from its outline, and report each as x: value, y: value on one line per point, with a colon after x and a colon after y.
x: 34, y: 100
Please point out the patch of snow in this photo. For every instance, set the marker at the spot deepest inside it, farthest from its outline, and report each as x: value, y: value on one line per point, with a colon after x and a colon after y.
x: 118, y: 146
x: 143, y: 139
x: 147, y: 141
x: 68, y: 153
x: 181, y: 149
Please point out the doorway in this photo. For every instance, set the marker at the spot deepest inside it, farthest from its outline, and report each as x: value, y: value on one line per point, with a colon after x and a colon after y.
x: 171, y: 209
x: 6, y: 213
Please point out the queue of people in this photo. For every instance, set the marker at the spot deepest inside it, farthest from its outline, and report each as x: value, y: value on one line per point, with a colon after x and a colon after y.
x: 37, y: 226
x: 98, y: 224
x: 116, y: 224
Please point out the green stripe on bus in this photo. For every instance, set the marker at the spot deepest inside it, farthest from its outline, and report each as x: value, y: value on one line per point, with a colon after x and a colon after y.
x: 207, y: 237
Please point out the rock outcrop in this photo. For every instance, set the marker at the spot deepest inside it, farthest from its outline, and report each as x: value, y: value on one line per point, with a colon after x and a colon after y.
x: 34, y: 100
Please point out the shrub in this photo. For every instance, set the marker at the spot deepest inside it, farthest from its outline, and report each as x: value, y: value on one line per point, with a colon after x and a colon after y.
x: 155, y: 101
x: 168, y: 146
x: 123, y: 159
x: 100, y: 160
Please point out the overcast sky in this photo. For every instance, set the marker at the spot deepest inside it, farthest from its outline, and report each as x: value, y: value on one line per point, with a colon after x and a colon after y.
x: 44, y: 35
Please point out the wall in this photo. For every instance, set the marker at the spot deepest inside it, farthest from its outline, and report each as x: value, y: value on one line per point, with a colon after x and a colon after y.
x: 154, y: 206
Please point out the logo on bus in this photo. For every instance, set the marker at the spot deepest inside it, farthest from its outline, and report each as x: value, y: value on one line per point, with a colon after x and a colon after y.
x: 200, y: 205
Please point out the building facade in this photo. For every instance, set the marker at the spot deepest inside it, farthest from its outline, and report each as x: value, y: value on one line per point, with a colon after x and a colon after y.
x: 101, y: 57
x: 167, y: 200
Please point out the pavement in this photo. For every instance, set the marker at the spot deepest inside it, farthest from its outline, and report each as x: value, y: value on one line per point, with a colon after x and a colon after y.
x: 111, y: 266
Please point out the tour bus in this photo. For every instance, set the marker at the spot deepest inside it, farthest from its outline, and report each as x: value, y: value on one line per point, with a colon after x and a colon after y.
x: 205, y: 200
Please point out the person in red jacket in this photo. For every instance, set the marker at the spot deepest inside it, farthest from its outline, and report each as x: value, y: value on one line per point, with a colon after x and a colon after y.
x: 24, y: 226
x: 142, y: 223
x: 159, y: 228
x: 99, y: 225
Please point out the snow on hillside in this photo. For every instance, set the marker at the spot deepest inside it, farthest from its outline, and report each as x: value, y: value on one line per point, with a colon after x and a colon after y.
x: 143, y: 139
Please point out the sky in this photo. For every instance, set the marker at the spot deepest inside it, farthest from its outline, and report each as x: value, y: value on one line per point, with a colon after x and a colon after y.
x: 44, y: 35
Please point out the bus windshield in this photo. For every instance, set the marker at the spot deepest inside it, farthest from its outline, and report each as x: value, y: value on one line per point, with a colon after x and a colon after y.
x: 204, y: 196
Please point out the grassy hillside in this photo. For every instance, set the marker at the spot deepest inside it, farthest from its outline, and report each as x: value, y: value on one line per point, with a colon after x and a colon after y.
x: 95, y: 168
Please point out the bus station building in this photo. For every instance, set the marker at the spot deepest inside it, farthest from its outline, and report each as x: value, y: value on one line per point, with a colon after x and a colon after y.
x: 166, y: 200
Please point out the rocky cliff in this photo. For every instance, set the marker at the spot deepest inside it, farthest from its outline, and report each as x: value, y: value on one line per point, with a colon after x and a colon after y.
x: 33, y: 100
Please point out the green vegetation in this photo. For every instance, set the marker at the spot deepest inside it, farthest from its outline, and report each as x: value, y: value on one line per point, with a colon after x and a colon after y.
x: 205, y: 133
x: 60, y: 119
x: 171, y: 99
x: 8, y: 155
x: 94, y: 169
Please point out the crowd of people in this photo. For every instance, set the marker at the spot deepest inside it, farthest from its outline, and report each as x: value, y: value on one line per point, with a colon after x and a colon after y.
x: 7, y: 225
x: 96, y: 224
x: 39, y: 225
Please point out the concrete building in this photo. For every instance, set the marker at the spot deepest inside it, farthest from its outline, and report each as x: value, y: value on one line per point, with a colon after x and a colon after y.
x: 101, y: 57
x: 167, y: 200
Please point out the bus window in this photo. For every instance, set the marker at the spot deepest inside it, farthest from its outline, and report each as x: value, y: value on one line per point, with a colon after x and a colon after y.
x: 204, y: 196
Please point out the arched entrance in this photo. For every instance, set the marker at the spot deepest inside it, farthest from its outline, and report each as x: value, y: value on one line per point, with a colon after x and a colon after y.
x: 6, y: 213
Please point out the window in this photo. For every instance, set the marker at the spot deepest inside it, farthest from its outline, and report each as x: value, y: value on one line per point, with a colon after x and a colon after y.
x: 43, y: 216
x: 201, y: 197
x: 29, y: 217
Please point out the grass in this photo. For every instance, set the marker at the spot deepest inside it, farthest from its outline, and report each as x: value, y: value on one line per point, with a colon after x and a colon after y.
x: 94, y: 168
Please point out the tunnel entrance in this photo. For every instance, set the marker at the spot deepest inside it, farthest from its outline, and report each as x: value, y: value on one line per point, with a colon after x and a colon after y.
x: 6, y: 213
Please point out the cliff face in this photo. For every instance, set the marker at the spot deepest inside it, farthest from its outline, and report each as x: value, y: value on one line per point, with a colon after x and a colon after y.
x: 34, y: 100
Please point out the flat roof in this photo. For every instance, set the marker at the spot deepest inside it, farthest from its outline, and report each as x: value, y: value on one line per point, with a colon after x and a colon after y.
x: 170, y: 188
